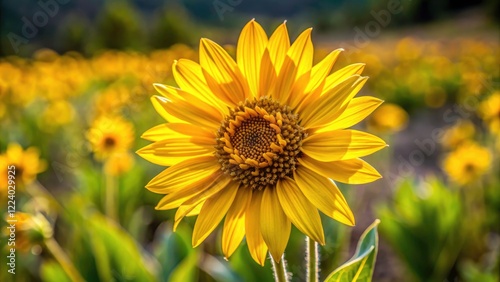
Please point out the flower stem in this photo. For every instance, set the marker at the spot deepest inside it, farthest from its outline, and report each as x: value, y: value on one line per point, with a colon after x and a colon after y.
x: 279, y: 269
x: 63, y: 260
x: 312, y: 260
x: 110, y: 205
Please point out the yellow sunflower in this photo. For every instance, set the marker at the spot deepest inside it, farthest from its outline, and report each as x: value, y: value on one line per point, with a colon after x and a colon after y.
x: 467, y: 163
x: 490, y: 112
x: 110, y: 135
x: 27, y: 165
x: 260, y: 140
x: 31, y: 230
x: 389, y: 118
x: 461, y: 132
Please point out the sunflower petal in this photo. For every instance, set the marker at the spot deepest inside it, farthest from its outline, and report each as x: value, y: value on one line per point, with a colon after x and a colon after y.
x: 196, y: 210
x: 341, y: 145
x: 301, y: 52
x: 297, y: 94
x: 191, y: 111
x: 158, y: 104
x: 177, y: 95
x: 255, y: 242
x: 337, y: 77
x: 177, y: 130
x: 328, y: 107
x: 189, y: 77
x: 212, y: 212
x: 354, y: 171
x: 183, y: 174
x: 251, y: 46
x: 234, y: 224
x: 222, y: 73
x: 198, y: 191
x: 186, y: 210
x: 357, y: 110
x: 171, y: 151
x: 321, y: 70
x: 301, y: 212
x: 220, y: 182
x: 324, y: 194
x: 278, y: 46
x: 298, y: 62
x: 267, y: 75
x: 274, y: 223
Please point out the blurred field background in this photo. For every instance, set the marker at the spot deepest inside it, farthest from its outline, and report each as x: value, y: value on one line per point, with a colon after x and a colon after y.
x: 74, y: 100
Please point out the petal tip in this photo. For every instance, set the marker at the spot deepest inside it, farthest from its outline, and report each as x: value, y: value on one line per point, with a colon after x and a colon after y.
x: 196, y: 243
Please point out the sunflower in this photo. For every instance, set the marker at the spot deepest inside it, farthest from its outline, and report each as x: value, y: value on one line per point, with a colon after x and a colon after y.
x: 110, y: 135
x: 31, y: 230
x: 388, y: 118
x: 467, y: 163
x: 260, y: 140
x: 27, y: 165
x: 490, y: 112
x: 461, y: 132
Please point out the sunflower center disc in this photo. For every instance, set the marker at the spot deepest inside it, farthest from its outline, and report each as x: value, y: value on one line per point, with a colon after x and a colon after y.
x: 259, y: 142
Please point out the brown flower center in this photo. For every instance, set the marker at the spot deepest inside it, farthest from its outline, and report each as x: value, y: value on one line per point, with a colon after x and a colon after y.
x: 109, y: 142
x: 469, y: 168
x: 259, y: 142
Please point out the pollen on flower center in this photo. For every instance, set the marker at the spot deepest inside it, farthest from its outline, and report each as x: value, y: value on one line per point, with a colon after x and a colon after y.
x: 259, y: 142
x: 253, y: 138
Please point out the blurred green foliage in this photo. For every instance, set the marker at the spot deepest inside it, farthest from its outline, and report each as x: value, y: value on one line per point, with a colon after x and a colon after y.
x: 119, y: 27
x: 430, y: 227
x: 127, y: 24
x: 173, y: 25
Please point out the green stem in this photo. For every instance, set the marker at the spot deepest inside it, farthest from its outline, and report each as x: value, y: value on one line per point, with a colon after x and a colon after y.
x: 63, y: 260
x: 279, y: 269
x: 312, y: 260
x: 110, y: 196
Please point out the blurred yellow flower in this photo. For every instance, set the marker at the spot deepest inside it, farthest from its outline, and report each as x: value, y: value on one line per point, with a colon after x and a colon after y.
x: 27, y: 165
x: 259, y: 140
x: 409, y: 49
x: 109, y: 135
x: 112, y: 99
x: 489, y: 110
x: 473, y: 82
x: 2, y: 110
x: 467, y: 163
x: 462, y: 131
x: 119, y: 163
x: 388, y: 118
x: 57, y: 113
x: 31, y: 230
x: 435, y: 97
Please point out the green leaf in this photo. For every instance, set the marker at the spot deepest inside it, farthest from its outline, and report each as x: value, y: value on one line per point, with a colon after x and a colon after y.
x: 187, y: 270
x: 122, y: 258
x: 52, y: 271
x: 171, y: 248
x: 360, y: 266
